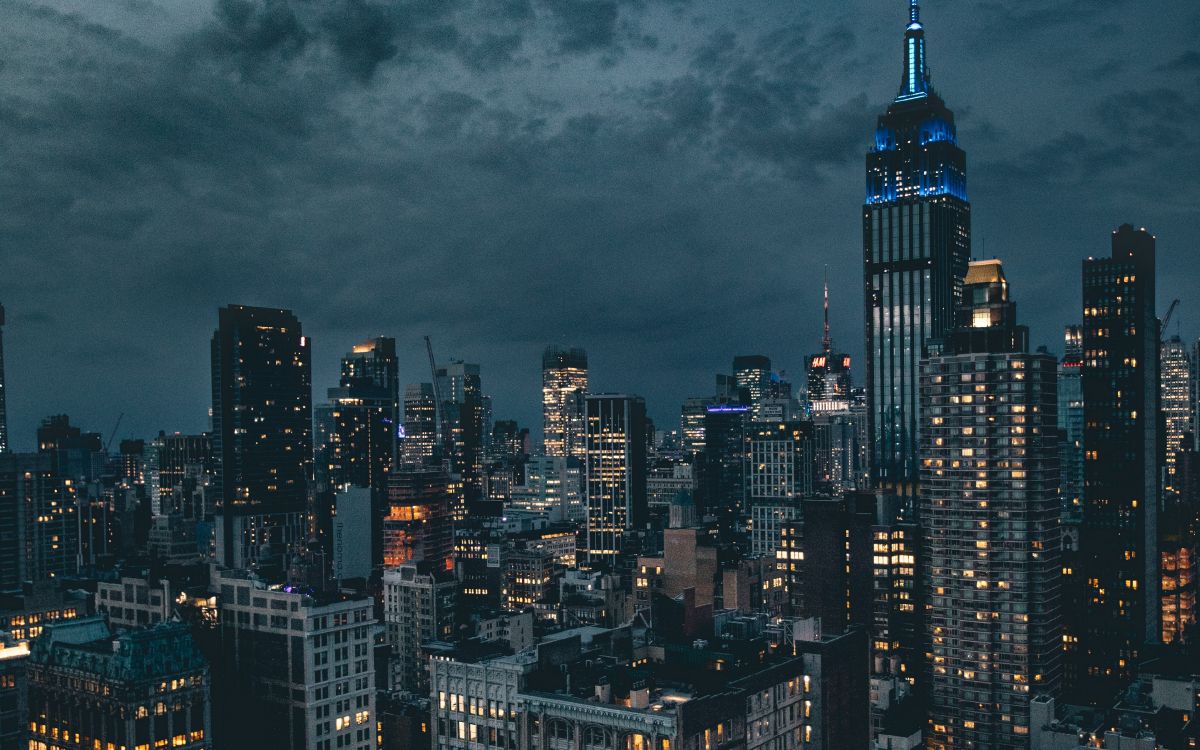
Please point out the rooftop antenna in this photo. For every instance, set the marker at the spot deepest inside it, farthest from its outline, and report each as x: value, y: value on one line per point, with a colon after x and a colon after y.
x: 826, y: 341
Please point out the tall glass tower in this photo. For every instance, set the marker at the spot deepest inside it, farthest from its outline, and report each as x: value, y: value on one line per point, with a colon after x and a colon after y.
x: 916, y: 245
x: 564, y: 386
x: 4, y: 448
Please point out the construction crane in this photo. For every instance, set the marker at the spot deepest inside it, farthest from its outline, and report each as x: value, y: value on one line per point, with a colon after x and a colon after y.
x: 1166, y: 321
x: 113, y: 434
x: 437, y: 394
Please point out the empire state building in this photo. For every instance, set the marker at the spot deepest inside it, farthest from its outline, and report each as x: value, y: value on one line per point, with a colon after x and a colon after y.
x: 916, y: 247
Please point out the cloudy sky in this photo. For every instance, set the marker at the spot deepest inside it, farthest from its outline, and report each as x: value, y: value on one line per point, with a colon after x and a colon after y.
x: 659, y: 181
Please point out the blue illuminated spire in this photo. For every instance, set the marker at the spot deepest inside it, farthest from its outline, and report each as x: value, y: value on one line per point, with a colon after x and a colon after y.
x: 916, y: 73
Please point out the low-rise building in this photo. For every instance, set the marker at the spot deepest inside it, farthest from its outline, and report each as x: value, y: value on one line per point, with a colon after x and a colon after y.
x: 24, y: 612
x: 14, y: 708
x: 140, y: 689
x: 133, y: 602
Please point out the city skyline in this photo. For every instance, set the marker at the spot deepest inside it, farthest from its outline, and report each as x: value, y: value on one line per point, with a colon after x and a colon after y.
x: 700, y: 524
x: 787, y: 94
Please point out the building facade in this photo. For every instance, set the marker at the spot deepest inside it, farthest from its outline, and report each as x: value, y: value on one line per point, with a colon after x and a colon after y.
x: 616, y: 473
x: 916, y: 243
x: 418, y: 520
x: 418, y: 606
x: 262, y: 432
x: 1118, y: 557
x: 4, y: 446
x: 1176, y: 395
x: 296, y: 667
x: 564, y: 388
x: 1070, y: 421
x: 990, y: 516
x: 553, y: 487
x: 420, y: 443
x: 357, y: 429
x: 144, y: 688
x: 39, y: 521
x: 131, y: 602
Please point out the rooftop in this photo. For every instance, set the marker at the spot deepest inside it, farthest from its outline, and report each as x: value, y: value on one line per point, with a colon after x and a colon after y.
x: 87, y: 645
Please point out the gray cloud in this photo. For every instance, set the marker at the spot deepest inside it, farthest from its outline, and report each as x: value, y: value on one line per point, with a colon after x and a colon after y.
x: 657, y: 181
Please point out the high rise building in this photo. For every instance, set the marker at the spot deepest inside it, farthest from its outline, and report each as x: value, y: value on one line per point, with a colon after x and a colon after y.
x: 1195, y: 360
x: 74, y: 454
x: 262, y: 432
x: 564, y: 387
x: 296, y: 667
x: 752, y: 374
x: 1175, y: 377
x: 1070, y: 421
x: 916, y: 242
x: 691, y: 425
x: 991, y: 523
x: 896, y: 636
x: 826, y: 559
x: 552, y: 487
x: 829, y: 371
x: 419, y: 446
x: 172, y: 459
x: 39, y: 521
x: 357, y: 429
x: 528, y: 577
x: 727, y: 429
x: 353, y: 521
x: 841, y: 447
x: 615, y: 473
x: 142, y: 688
x: 1177, y: 551
x: 779, y: 461
x: 1118, y: 556
x: 768, y: 517
x: 417, y: 524
x: 463, y: 426
x: 4, y: 445
x: 418, y: 605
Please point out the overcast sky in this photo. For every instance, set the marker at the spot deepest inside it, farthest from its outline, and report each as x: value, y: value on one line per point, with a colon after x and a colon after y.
x: 658, y: 181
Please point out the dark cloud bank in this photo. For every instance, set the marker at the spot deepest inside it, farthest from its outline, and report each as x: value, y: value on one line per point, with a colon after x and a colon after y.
x: 660, y: 182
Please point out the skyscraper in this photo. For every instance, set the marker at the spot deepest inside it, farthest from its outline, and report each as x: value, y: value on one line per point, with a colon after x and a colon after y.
x: 778, y: 461
x: 1070, y: 421
x: 916, y: 243
x: 463, y: 426
x: 691, y: 425
x: 726, y: 454
x: 564, y: 386
x: 616, y: 473
x: 829, y: 371
x: 4, y: 447
x: 990, y: 517
x: 262, y: 432
x: 1176, y: 387
x: 826, y: 559
x: 752, y: 374
x: 417, y: 524
x: 358, y: 426
x: 1119, y: 562
x: 39, y: 521
x: 419, y: 446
